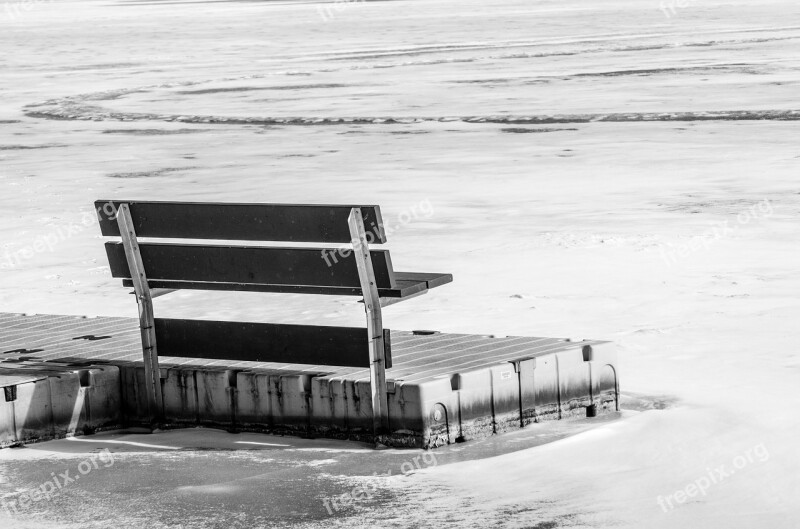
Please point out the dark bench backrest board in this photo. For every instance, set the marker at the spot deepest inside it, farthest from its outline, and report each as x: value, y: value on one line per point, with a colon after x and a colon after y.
x: 267, y: 342
x: 241, y: 222
x: 249, y: 265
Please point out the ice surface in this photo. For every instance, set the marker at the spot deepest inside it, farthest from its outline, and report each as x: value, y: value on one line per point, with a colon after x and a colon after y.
x: 676, y: 239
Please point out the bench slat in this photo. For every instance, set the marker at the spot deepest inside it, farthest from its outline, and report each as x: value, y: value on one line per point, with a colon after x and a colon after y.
x: 432, y: 280
x: 249, y: 265
x: 241, y: 222
x: 266, y: 342
x: 402, y: 289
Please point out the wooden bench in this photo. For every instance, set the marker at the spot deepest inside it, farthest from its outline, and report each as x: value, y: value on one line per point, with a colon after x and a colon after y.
x: 153, y: 268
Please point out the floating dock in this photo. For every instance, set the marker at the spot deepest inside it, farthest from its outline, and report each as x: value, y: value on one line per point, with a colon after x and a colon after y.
x: 68, y: 375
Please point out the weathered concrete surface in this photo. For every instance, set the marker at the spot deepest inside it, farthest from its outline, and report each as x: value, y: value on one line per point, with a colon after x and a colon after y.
x: 443, y: 388
x: 43, y: 401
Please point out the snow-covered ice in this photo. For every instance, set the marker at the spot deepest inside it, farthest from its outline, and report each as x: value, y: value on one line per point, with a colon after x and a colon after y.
x: 623, y: 170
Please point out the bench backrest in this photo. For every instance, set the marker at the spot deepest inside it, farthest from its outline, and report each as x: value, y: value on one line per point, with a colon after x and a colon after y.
x: 241, y: 222
x: 323, y: 269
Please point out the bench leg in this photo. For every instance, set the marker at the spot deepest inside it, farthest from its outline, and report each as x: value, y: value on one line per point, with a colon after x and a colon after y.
x: 146, y: 314
x: 372, y: 305
x: 377, y: 371
x: 152, y: 372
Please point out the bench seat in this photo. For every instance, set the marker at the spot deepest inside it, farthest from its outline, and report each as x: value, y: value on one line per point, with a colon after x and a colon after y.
x: 408, y: 284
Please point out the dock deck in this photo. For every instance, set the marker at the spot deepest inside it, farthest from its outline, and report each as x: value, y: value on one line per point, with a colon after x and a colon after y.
x: 442, y: 387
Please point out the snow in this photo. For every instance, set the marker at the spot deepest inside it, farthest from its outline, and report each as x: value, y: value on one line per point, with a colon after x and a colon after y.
x: 566, y: 200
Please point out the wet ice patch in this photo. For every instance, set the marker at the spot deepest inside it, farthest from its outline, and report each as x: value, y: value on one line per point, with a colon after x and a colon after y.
x: 522, y: 130
x: 149, y: 174
x: 640, y: 402
x: 320, y: 462
x: 30, y: 147
x: 153, y: 132
x: 692, y: 204
x: 206, y: 91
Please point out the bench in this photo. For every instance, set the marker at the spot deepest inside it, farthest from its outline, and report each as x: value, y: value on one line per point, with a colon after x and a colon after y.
x: 157, y: 268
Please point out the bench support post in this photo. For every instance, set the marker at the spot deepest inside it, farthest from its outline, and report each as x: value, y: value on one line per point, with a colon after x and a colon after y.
x: 144, y: 299
x: 372, y: 306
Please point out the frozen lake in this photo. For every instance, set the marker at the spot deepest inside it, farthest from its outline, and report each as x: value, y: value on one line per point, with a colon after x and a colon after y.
x: 622, y: 170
